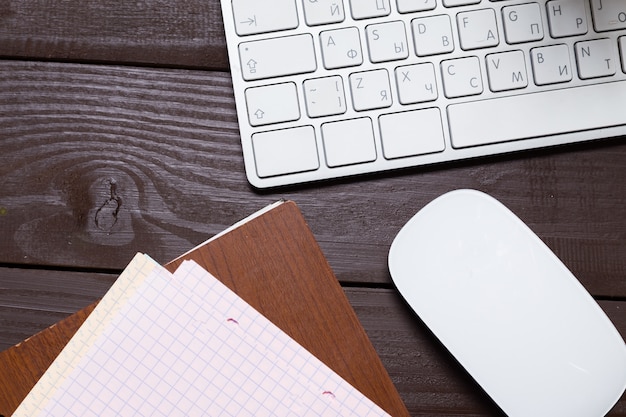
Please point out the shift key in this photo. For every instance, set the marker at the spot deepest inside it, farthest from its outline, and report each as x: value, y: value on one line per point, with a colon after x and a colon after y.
x: 276, y: 57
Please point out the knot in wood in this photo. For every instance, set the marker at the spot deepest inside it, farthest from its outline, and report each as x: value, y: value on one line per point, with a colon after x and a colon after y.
x: 107, y: 214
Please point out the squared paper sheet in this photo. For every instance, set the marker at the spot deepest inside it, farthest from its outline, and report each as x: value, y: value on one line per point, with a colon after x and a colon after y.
x: 183, y: 344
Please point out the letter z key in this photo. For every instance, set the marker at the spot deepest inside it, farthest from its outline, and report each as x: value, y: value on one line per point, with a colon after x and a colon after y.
x: 370, y: 90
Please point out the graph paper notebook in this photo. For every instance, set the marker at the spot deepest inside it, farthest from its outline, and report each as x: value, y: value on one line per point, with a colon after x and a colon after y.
x: 272, y: 253
x: 182, y: 344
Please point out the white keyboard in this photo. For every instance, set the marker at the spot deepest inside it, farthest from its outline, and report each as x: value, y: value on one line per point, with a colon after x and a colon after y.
x: 331, y: 88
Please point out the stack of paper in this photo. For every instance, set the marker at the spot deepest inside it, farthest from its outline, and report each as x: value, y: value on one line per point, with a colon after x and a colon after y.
x: 183, y: 344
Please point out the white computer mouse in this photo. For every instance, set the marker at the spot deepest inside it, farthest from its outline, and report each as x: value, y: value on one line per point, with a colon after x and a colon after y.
x: 508, y: 309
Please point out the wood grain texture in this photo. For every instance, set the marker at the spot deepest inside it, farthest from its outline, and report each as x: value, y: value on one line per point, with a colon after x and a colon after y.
x: 32, y: 300
x: 181, y: 33
x: 100, y: 162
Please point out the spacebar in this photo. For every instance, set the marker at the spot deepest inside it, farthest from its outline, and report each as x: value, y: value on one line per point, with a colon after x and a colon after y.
x: 538, y: 114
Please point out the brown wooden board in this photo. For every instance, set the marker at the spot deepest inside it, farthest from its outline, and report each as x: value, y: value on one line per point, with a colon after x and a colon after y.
x: 181, y: 33
x: 274, y: 263
x: 77, y: 140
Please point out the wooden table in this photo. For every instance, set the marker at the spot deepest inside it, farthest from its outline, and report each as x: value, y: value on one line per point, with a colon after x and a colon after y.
x: 118, y: 134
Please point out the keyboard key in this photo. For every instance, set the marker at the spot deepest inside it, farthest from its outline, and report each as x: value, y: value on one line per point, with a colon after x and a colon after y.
x: 608, y: 14
x: 551, y: 112
x: 432, y: 35
x: 567, y: 18
x: 400, y: 138
x: 416, y: 83
x: 286, y: 151
x: 349, y: 142
x: 461, y: 77
x: 387, y: 41
x: 272, y: 104
x: 522, y: 23
x: 322, y: 12
x: 595, y: 58
x: 477, y: 29
x: 365, y: 9
x: 253, y: 16
x: 277, y: 57
x: 453, y: 3
x: 551, y: 64
x: 370, y: 90
x: 409, y: 6
x: 507, y: 71
x: 325, y: 96
x: 341, y: 48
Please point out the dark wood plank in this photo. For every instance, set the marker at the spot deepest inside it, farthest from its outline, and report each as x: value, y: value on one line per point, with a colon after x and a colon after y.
x: 32, y: 300
x: 181, y: 33
x: 429, y: 381
x: 100, y: 162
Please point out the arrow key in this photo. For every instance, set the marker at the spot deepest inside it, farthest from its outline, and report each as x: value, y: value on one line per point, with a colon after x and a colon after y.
x: 271, y: 104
